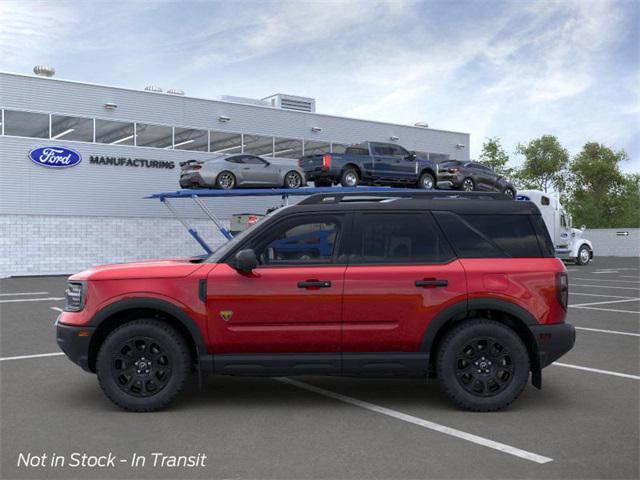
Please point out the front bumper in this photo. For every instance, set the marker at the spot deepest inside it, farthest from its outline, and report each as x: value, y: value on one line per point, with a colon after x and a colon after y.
x: 74, y: 342
x: 553, y: 341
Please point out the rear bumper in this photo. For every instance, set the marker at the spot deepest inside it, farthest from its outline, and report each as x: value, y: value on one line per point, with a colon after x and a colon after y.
x: 553, y: 341
x: 449, y: 180
x: 192, y: 180
x: 74, y: 342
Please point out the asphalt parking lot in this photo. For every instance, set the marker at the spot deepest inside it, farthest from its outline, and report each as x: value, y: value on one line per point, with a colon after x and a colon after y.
x: 584, y: 423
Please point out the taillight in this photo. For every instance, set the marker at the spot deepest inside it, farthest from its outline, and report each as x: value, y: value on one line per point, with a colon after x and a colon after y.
x: 453, y: 170
x: 299, y: 163
x: 326, y: 161
x: 196, y: 167
x: 562, y: 289
x: 253, y: 219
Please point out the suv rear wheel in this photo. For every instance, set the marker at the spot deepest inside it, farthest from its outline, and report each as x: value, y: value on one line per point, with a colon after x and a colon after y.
x: 482, y: 365
x: 468, y: 185
x: 142, y: 365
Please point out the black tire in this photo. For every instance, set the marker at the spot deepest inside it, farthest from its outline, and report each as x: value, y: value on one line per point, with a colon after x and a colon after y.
x: 225, y: 180
x: 349, y: 178
x: 150, y: 384
x: 491, y: 347
x: 427, y: 181
x: 584, y: 255
x: 468, y: 185
x: 509, y: 192
x: 293, y: 180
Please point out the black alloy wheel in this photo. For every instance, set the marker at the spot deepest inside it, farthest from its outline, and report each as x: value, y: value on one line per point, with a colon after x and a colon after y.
x: 509, y: 192
x: 140, y: 366
x: 482, y: 365
x: 143, y: 365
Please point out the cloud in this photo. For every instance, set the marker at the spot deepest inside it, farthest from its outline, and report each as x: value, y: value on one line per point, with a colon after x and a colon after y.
x: 32, y: 28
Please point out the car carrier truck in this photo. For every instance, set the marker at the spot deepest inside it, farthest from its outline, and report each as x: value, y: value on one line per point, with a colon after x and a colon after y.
x: 567, y: 240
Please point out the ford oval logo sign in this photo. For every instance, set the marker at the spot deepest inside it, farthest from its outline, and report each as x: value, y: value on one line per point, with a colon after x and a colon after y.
x: 55, y: 157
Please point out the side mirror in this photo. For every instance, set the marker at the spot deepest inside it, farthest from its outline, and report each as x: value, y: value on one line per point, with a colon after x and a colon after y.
x: 412, y: 156
x: 245, y: 260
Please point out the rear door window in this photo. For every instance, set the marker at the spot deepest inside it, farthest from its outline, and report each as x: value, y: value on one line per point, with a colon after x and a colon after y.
x: 397, y: 238
x: 488, y: 236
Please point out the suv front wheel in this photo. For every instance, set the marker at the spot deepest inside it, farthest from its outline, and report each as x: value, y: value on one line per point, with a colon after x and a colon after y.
x: 143, y: 364
x: 482, y: 365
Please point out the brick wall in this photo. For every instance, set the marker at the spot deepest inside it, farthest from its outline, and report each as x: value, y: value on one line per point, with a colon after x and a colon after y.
x: 49, y: 245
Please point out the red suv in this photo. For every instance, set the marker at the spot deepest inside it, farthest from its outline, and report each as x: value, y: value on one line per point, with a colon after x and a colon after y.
x: 382, y: 285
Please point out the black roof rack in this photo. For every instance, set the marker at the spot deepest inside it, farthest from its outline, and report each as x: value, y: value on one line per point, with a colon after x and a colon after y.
x: 340, y: 197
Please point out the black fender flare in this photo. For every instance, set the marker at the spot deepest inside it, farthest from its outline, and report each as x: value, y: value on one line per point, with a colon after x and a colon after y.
x: 154, y: 304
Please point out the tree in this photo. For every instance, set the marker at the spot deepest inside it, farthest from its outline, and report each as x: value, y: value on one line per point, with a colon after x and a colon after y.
x: 601, y: 196
x: 493, y: 155
x: 545, y: 164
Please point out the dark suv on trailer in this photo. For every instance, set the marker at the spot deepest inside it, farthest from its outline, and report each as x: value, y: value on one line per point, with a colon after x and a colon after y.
x: 403, y: 284
x: 470, y: 176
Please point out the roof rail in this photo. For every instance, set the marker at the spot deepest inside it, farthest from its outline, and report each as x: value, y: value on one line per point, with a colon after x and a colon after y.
x: 392, y: 194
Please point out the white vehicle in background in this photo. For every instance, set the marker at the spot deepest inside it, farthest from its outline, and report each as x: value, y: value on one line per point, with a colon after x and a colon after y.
x: 567, y: 241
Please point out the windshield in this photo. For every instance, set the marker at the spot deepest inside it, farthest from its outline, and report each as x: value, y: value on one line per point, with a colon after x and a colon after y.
x: 229, y: 245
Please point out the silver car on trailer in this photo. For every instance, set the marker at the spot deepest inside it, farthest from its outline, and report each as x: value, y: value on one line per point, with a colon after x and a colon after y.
x: 241, y: 170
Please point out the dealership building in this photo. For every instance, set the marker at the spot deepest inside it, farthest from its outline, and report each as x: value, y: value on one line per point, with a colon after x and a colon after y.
x: 128, y: 145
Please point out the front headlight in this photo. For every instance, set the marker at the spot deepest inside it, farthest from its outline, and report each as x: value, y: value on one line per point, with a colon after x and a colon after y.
x: 74, y: 297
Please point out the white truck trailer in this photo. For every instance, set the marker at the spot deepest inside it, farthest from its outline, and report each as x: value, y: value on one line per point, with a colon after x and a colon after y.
x: 567, y: 241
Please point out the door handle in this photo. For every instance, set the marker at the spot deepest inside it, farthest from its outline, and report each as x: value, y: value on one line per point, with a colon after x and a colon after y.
x: 314, y: 284
x: 431, y: 283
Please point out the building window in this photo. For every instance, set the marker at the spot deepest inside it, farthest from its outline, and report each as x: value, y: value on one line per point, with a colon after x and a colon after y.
x: 287, y: 148
x: 114, y: 133
x: 71, y: 128
x: 313, y: 148
x: 438, y: 157
x: 190, y: 139
x: 258, y: 145
x: 26, y: 124
x: 157, y: 136
x: 225, y: 143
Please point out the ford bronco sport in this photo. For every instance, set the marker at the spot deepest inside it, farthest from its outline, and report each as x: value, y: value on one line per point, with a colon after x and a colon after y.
x: 466, y: 289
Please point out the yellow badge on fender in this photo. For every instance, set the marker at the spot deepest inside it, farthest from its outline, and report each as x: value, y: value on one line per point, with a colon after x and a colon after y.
x: 226, y: 315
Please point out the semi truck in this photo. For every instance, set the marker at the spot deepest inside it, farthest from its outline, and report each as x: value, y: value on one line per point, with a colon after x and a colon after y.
x: 568, y: 241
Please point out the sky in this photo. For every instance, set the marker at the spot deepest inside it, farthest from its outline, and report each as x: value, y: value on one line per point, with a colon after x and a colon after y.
x: 514, y: 70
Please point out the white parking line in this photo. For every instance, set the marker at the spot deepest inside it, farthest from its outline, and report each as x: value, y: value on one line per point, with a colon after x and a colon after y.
x: 608, y: 331
x: 628, y: 276
x: 605, y: 286
x: 610, y: 310
x: 596, y: 370
x: 24, y: 357
x: 605, y: 302
x: 15, y: 300
x: 606, y: 280
x: 604, y: 272
x: 597, y: 295
x: 22, y: 293
x: 57, y: 309
x: 485, y: 442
